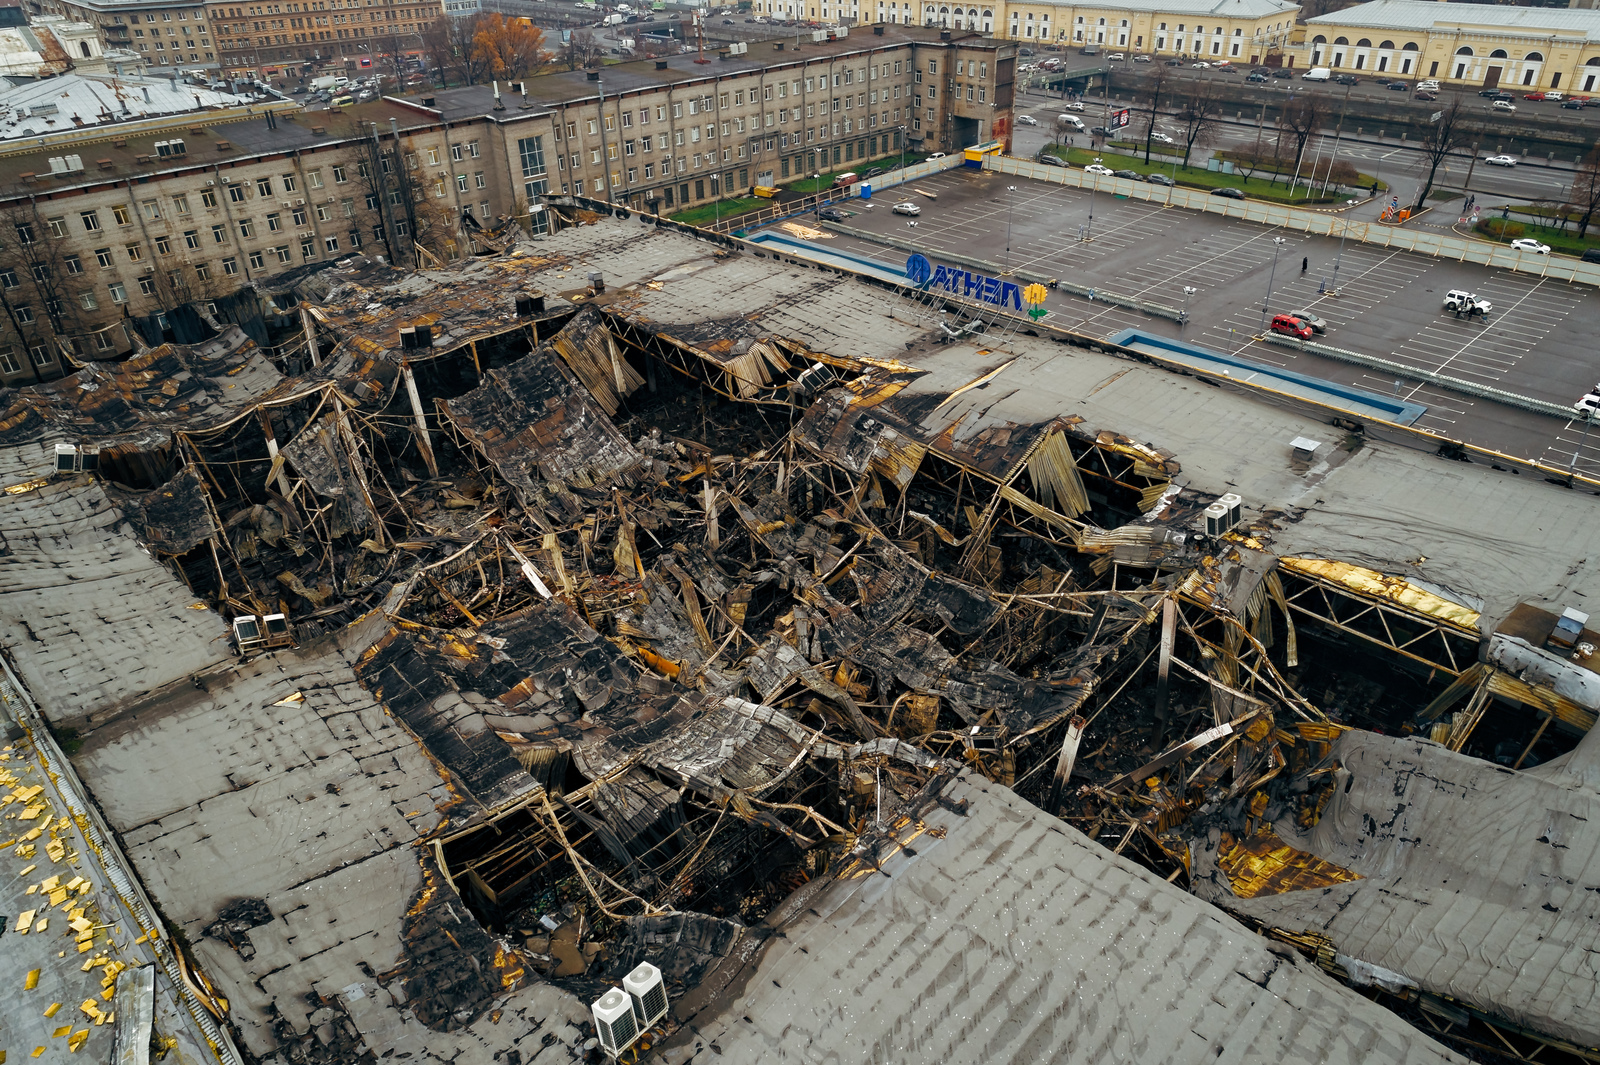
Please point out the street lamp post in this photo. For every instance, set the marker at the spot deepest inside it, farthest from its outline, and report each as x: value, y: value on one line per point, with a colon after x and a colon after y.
x: 1089, y: 232
x: 1277, y: 246
x: 1572, y: 471
x: 1010, y: 196
x: 1183, y: 319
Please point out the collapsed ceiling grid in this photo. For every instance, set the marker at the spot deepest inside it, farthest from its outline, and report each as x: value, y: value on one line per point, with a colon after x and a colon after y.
x: 683, y: 602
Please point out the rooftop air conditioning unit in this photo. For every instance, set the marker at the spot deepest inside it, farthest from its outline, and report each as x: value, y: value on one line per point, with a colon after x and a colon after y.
x: 649, y: 993
x: 299, y: 203
x: 72, y: 458
x: 1224, y: 514
x: 210, y: 182
x: 819, y: 36
x: 615, y: 1022
x: 278, y: 632
x: 248, y: 633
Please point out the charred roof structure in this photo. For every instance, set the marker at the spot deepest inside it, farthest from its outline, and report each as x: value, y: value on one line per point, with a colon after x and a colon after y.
x: 631, y: 595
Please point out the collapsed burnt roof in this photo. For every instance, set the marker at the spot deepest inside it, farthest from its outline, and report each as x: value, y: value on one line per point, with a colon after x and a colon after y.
x: 626, y: 622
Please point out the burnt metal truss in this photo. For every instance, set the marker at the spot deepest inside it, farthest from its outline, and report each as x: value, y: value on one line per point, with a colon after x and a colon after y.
x: 1434, y: 643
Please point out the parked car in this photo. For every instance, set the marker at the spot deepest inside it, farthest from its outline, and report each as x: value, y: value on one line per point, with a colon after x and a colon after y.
x: 1347, y: 79
x: 1027, y: 120
x: 1460, y: 301
x: 1256, y: 77
x: 1115, y: 57
x: 1503, y: 105
x: 1591, y: 255
x: 1159, y: 179
x: 1141, y: 59
x: 1489, y: 94
x: 1534, y: 96
x: 1131, y: 175
x: 1289, y: 325
x: 1202, y: 65
x: 1073, y: 105
x: 1529, y: 244
x: 1589, y: 404
x: 1283, y: 72
x: 935, y: 155
x: 907, y: 208
x: 1099, y: 131
x: 1501, y: 160
x: 1049, y: 160
x: 1228, y: 194
x: 1317, y: 324
x: 1555, y: 95
x: 832, y: 214
x: 1096, y: 168
x: 1424, y: 94
x: 298, y: 90
x: 1572, y: 105
x: 1174, y: 62
x: 1162, y: 137
x: 1398, y: 86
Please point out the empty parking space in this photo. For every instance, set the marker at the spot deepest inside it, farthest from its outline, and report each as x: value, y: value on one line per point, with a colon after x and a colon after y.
x: 1376, y: 301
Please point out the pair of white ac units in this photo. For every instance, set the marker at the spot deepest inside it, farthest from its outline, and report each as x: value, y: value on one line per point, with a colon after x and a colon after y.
x: 625, y: 1013
x: 1224, y: 514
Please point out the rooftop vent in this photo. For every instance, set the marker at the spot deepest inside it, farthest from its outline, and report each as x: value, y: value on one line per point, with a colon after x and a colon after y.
x: 319, y: 129
x: 594, y: 75
x: 427, y: 101
x: 944, y: 35
x: 105, y: 164
x: 597, y: 281
x: 661, y: 64
x: 1305, y: 448
x: 777, y: 46
x: 878, y: 29
x: 529, y: 304
x: 223, y: 146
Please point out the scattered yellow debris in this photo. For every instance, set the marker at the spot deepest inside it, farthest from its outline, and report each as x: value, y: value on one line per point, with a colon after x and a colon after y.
x: 56, y: 849
x: 28, y: 870
x: 30, y: 835
x: 33, y: 811
x: 25, y: 922
x: 44, y: 923
x: 78, y: 1039
x: 54, y: 1007
x: 72, y: 885
x: 90, y: 1006
x: 59, y: 1032
x: 38, y: 1051
x: 32, y: 980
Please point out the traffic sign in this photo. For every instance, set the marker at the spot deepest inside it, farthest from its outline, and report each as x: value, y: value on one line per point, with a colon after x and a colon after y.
x: 1437, y: 115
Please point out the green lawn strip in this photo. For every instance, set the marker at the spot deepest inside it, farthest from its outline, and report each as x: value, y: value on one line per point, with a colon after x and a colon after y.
x: 1193, y: 176
x: 710, y: 212
x: 1566, y: 241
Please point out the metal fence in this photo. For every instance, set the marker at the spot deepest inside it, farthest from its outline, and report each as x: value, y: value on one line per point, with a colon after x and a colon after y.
x: 1423, y: 242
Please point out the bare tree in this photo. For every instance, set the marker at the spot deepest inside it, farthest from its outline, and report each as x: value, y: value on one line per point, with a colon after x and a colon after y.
x: 1443, y: 138
x: 1197, y: 119
x: 436, y: 45
x: 581, y: 51
x: 1158, y: 87
x: 1585, y: 196
x: 1298, y: 121
x: 39, y: 307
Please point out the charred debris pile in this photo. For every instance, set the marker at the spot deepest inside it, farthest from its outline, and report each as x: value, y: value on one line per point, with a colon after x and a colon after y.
x: 682, y: 636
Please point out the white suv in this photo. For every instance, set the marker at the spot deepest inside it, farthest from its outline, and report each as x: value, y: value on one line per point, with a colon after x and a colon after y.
x: 1460, y: 301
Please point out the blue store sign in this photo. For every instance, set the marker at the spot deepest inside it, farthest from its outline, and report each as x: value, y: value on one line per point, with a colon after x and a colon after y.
x: 924, y: 274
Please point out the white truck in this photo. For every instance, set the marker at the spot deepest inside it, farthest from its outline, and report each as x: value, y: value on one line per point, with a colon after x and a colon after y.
x: 329, y: 82
x: 1317, y: 74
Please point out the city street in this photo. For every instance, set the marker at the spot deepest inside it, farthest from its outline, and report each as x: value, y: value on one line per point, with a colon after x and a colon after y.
x: 1403, y: 167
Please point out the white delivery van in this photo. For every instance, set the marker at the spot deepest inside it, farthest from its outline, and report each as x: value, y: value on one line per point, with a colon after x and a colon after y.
x: 1317, y: 74
x: 1071, y: 120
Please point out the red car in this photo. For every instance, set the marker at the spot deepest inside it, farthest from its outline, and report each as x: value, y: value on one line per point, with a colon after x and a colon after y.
x: 1534, y: 96
x: 1289, y: 325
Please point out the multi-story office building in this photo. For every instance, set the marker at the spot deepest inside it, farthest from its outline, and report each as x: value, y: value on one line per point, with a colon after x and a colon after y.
x: 164, y: 33
x: 103, y: 226
x: 297, y: 39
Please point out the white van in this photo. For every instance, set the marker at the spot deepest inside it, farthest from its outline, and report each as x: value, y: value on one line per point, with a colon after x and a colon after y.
x: 1317, y: 74
x: 1071, y: 120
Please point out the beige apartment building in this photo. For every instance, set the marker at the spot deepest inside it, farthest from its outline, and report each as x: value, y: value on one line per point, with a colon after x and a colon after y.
x: 1231, y: 29
x: 107, y: 225
x: 1471, y: 44
x: 164, y: 34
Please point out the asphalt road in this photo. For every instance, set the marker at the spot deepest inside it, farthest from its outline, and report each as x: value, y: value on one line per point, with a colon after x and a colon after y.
x: 1390, y: 160
x: 1536, y: 343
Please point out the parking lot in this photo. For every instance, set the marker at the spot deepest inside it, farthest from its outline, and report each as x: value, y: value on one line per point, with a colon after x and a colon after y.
x: 1388, y: 303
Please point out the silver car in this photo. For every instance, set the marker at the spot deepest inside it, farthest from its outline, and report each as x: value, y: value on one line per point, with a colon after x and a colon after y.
x: 1318, y: 325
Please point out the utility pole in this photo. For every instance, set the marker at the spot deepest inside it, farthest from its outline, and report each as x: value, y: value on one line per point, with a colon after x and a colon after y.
x: 1277, y: 246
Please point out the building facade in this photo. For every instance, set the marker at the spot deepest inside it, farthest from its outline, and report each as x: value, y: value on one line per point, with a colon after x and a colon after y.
x: 173, y: 34
x: 1234, y: 29
x: 1468, y: 44
x: 296, y: 40
x: 170, y: 211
